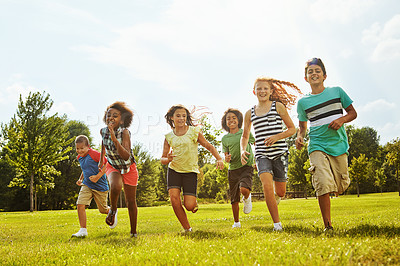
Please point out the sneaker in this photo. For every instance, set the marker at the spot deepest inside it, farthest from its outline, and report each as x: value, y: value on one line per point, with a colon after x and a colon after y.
x: 188, y: 230
x: 278, y: 228
x: 236, y: 225
x: 247, y: 206
x: 133, y: 235
x: 80, y: 233
x: 278, y: 199
x: 328, y: 229
x: 115, y: 220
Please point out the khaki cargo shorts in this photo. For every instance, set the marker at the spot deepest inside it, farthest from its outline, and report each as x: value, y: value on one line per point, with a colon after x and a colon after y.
x: 86, y: 195
x: 329, y: 173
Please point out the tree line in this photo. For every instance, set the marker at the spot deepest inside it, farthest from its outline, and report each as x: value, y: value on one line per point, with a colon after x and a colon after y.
x: 38, y: 166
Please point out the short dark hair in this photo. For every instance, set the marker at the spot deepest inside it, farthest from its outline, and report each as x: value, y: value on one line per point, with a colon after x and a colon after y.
x: 236, y: 112
x: 126, y: 113
x: 314, y: 61
x: 171, y: 112
x: 82, y: 139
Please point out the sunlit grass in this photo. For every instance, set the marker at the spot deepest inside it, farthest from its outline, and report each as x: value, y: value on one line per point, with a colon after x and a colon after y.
x: 367, y: 231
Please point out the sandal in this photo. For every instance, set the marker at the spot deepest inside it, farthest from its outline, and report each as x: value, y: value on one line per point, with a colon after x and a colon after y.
x: 111, y: 218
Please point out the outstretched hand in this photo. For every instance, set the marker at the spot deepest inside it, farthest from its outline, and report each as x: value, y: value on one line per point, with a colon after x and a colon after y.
x: 220, y: 164
x: 299, y: 143
x: 79, y: 182
x: 244, y: 157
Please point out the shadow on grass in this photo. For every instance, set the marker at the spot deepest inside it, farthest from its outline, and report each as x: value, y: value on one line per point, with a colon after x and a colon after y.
x: 290, y: 229
x: 202, y: 235
x: 371, y: 231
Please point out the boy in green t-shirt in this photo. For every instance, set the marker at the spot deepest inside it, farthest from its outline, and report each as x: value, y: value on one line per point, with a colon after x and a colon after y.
x: 328, y: 146
x: 240, y: 176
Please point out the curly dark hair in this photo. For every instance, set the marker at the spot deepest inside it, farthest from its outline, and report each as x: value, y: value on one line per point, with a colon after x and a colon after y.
x: 236, y: 112
x: 126, y: 113
x: 170, y: 114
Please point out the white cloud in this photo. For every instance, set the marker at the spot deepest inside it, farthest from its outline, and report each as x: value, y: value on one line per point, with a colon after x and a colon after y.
x: 64, y: 108
x: 377, y: 106
x: 342, y: 11
x: 11, y: 94
x: 386, y: 40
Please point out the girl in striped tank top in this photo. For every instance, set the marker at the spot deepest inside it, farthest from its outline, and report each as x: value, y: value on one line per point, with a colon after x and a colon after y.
x: 271, y: 151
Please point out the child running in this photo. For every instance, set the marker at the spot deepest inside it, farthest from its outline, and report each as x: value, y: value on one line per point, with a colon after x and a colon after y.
x: 121, y: 166
x: 328, y: 147
x: 271, y: 151
x: 181, y: 154
x: 92, y: 181
x: 240, y: 176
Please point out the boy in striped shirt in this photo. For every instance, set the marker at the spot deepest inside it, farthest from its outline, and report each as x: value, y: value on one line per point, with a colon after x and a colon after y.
x: 328, y: 147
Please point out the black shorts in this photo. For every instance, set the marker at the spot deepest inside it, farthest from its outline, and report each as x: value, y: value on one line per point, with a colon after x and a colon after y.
x: 241, y: 177
x: 187, y: 181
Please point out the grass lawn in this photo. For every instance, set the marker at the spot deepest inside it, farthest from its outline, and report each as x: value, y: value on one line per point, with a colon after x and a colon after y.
x: 367, y: 231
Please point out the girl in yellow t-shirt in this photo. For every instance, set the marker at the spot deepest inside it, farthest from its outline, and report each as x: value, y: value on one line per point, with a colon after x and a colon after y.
x: 181, y: 154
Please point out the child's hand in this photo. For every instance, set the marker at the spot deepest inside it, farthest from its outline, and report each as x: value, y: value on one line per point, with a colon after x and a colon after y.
x: 228, y: 158
x: 270, y: 140
x: 299, y: 142
x: 79, y: 182
x: 170, y: 156
x: 336, y: 124
x: 243, y: 157
x: 93, y: 178
x: 220, y: 164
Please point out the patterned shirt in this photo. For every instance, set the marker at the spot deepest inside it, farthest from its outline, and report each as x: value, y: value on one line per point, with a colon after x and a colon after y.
x: 265, y: 126
x: 111, y: 151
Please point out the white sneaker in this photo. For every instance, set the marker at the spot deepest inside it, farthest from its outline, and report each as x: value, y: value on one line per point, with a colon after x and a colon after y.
x: 247, y: 206
x: 115, y: 220
x: 189, y: 230
x: 278, y: 228
x: 278, y: 199
x: 81, y: 233
x: 236, y: 225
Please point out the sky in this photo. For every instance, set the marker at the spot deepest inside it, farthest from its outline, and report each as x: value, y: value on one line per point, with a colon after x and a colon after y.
x: 154, y: 54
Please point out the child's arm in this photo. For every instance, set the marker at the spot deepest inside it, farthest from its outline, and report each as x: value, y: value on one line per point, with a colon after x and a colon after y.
x: 350, y: 116
x: 79, y: 181
x: 167, y: 156
x: 281, y: 109
x: 203, y: 142
x: 301, y: 133
x: 102, y: 152
x: 95, y: 178
x: 244, y: 140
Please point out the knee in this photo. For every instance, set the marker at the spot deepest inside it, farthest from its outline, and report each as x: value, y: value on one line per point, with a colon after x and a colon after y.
x: 281, y: 193
x: 190, y: 206
x: 244, y: 191
x: 103, y: 211
x: 131, y: 204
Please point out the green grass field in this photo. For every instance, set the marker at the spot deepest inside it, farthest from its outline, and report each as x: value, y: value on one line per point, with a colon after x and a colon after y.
x: 367, y: 231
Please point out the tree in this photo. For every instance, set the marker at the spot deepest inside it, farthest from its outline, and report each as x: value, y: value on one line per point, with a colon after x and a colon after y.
x: 211, y: 134
x: 393, y: 157
x: 34, y: 142
x: 358, y: 170
x: 363, y: 140
x: 297, y: 173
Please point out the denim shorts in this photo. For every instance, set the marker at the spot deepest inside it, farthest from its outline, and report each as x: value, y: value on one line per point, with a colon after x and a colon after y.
x: 277, y: 167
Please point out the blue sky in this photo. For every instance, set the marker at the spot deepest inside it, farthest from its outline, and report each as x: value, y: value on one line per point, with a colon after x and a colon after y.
x: 153, y: 54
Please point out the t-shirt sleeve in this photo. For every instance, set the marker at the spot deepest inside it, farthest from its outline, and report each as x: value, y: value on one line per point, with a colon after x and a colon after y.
x: 95, y: 155
x: 224, y: 145
x: 344, y: 98
x: 301, y: 113
x: 194, y: 134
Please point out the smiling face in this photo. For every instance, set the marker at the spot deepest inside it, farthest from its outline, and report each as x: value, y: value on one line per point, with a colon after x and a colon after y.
x: 315, y: 75
x: 81, y: 149
x: 179, y: 117
x: 113, y: 118
x: 263, y: 91
x: 232, y: 122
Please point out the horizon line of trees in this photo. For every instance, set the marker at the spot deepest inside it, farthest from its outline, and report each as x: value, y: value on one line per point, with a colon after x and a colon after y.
x: 38, y: 166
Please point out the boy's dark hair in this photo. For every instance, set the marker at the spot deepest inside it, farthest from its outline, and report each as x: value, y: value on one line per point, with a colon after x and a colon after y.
x: 126, y: 113
x: 236, y: 112
x: 315, y: 61
x: 82, y: 139
x: 171, y: 111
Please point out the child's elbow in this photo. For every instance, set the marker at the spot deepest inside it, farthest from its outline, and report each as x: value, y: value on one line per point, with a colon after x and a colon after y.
x: 291, y: 131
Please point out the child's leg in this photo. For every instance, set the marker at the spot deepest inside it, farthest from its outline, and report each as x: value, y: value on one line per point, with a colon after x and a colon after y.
x: 325, y: 207
x: 235, y: 210
x: 130, y: 198
x: 245, y: 192
x: 82, y: 215
x: 115, y: 179
x: 100, y: 197
x: 175, y: 197
x: 190, y: 202
x: 266, y: 179
x: 280, y: 188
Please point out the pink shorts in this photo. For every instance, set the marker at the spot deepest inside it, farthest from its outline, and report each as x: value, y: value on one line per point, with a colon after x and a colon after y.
x: 130, y: 178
